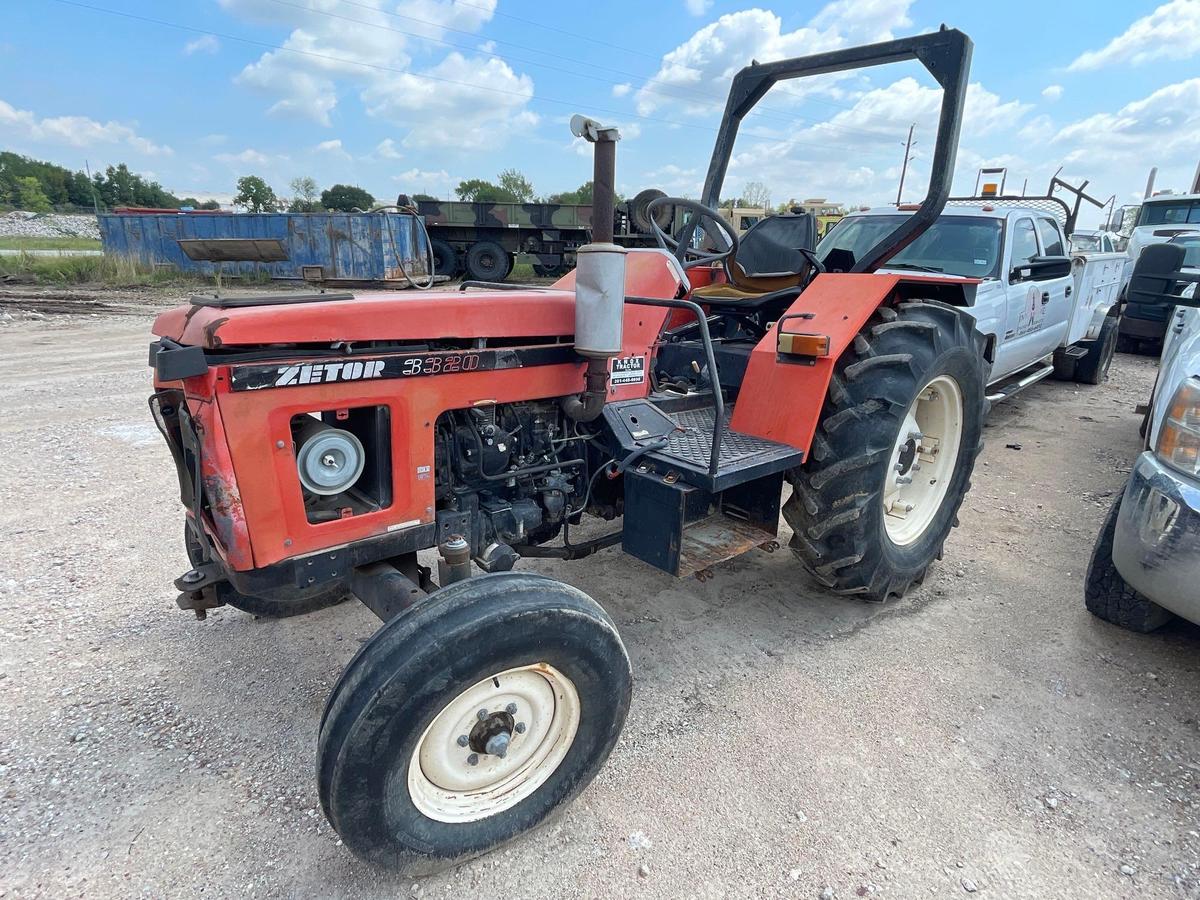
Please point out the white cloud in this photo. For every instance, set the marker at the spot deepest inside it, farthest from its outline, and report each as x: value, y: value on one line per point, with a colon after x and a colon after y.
x: 1052, y: 92
x: 424, y: 181
x: 333, y: 148
x: 247, y: 157
x: 75, y: 131
x: 1170, y: 32
x: 461, y: 102
x: 621, y: 90
x: 699, y: 70
x: 698, y: 7
x: 386, y: 149
x: 470, y: 104
x: 206, y: 44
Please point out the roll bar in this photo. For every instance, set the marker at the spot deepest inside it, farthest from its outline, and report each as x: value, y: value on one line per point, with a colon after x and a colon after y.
x: 946, y: 54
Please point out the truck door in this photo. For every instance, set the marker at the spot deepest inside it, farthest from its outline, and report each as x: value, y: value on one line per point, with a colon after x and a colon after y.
x: 1023, y: 301
x: 1056, y: 294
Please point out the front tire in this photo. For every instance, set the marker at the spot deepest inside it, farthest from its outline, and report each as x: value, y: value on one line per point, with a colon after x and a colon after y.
x: 892, y: 456
x: 1108, y: 596
x: 408, y: 771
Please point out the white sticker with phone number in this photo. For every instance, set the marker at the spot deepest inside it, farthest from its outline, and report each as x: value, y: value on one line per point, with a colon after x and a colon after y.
x: 629, y: 370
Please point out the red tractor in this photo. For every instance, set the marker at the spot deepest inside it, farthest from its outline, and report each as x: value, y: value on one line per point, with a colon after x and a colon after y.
x: 322, y: 441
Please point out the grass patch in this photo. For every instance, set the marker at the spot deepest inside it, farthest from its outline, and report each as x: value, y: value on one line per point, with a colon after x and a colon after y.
x: 114, y: 271
x: 54, y: 243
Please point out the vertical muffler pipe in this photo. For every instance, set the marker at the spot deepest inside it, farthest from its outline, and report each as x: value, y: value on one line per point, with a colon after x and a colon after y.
x: 599, y: 278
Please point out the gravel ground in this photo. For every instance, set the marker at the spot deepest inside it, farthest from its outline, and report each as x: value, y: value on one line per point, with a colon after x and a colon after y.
x: 48, y: 225
x: 985, y: 735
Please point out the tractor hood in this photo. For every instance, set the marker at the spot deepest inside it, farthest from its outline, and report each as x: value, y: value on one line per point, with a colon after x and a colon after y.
x: 402, y: 315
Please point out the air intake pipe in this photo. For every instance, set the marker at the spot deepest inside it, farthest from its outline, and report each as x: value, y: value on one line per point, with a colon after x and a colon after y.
x: 599, y: 278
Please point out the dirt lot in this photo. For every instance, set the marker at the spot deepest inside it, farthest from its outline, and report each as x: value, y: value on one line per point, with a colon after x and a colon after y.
x: 983, y: 735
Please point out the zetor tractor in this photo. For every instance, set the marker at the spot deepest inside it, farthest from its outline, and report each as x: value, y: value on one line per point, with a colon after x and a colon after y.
x: 322, y: 441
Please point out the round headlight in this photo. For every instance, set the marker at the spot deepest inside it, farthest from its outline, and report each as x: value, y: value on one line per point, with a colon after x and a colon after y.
x: 329, y: 460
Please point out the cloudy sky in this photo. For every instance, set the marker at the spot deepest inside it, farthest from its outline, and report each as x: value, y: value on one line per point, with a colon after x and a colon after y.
x: 416, y: 95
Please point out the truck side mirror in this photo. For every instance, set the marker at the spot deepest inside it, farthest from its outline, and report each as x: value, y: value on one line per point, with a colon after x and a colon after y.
x: 1043, y: 268
x: 1157, y: 277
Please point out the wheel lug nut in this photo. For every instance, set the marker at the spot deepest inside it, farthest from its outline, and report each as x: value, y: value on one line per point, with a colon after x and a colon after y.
x: 511, y: 709
x: 520, y: 729
x: 473, y: 759
x: 481, y: 715
x: 463, y: 740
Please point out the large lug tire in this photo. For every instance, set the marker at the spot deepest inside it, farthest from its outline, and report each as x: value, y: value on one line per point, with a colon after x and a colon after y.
x: 1093, y: 368
x: 1108, y: 596
x: 906, y: 401
x: 445, y: 258
x: 488, y: 261
x: 263, y: 607
x: 407, y: 772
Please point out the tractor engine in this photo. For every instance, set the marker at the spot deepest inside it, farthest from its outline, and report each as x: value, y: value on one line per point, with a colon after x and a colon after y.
x: 508, y: 475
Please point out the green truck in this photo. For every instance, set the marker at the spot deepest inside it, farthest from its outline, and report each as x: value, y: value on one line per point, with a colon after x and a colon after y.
x: 483, y: 240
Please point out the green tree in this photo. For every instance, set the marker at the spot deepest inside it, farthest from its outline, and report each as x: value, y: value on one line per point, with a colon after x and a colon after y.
x: 209, y: 204
x: 30, y: 195
x: 516, y: 184
x: 424, y: 197
x: 581, y: 196
x: 255, y: 195
x: 304, y: 195
x: 478, y: 190
x: 346, y: 198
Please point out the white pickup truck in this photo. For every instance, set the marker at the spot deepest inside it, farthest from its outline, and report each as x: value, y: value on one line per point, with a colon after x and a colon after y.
x: 1044, y: 310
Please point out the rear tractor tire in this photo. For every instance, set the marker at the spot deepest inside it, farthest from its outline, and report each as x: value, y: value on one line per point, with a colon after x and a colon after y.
x: 892, y: 456
x: 469, y: 719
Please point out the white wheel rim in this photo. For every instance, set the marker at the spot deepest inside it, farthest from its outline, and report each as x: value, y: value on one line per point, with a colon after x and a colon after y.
x: 538, y: 708
x: 923, y: 460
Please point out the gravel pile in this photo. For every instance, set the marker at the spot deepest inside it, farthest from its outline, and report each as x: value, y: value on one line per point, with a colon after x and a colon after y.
x: 48, y: 225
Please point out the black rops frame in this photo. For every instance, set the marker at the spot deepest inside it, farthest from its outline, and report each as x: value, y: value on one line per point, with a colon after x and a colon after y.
x: 946, y: 54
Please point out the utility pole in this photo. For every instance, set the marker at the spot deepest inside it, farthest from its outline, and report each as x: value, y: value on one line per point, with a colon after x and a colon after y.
x: 907, y: 156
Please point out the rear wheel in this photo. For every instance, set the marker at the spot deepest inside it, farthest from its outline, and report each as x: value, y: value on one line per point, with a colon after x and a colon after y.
x: 1093, y: 368
x: 488, y: 261
x: 469, y: 719
x: 892, y: 456
x: 445, y: 258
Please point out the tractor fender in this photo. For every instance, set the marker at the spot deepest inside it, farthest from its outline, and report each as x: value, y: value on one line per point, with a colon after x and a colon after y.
x: 781, y: 397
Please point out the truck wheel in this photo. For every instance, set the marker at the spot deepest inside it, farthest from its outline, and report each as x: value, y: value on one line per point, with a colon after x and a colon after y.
x: 445, y: 258
x: 488, y: 261
x: 1108, y: 596
x: 469, y: 719
x: 1093, y: 368
x: 892, y: 455
x: 261, y: 606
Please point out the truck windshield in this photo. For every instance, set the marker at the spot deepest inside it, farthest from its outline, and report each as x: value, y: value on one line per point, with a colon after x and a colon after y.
x: 1081, y: 242
x: 1170, y: 212
x: 1191, y: 251
x: 957, y: 245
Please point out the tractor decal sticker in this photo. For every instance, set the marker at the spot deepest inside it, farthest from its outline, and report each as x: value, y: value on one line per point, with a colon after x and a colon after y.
x: 259, y: 377
x: 628, y: 370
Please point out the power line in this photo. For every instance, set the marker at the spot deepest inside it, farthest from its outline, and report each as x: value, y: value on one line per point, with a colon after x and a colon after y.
x: 574, y: 104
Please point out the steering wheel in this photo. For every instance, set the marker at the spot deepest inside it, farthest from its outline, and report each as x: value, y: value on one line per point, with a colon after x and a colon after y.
x: 679, y: 244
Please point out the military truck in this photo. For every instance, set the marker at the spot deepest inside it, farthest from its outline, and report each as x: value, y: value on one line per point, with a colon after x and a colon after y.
x: 483, y: 240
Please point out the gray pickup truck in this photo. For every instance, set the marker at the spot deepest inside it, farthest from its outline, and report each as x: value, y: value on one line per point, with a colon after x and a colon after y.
x: 1145, y: 568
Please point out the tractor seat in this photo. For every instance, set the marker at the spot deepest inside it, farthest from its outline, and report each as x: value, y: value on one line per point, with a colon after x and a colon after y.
x: 767, y: 262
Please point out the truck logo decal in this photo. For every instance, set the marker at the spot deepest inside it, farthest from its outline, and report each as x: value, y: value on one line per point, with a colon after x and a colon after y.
x: 412, y: 365
x: 628, y: 370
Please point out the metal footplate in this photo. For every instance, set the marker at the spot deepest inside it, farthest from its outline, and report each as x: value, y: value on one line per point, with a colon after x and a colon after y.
x: 679, y: 516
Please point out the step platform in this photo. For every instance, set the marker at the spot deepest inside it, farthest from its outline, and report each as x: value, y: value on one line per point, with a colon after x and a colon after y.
x: 679, y: 516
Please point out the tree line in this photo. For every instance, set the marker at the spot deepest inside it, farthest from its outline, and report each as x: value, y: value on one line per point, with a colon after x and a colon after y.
x: 38, y: 186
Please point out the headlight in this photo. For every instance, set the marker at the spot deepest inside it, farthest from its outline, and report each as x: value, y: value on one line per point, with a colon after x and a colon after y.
x: 329, y: 460
x: 1179, y: 437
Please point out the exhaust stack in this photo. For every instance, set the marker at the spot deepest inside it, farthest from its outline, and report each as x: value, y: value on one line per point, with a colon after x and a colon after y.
x: 599, y: 277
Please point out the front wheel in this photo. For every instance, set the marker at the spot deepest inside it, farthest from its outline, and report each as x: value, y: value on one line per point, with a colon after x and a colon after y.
x: 892, y: 456
x: 469, y: 719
